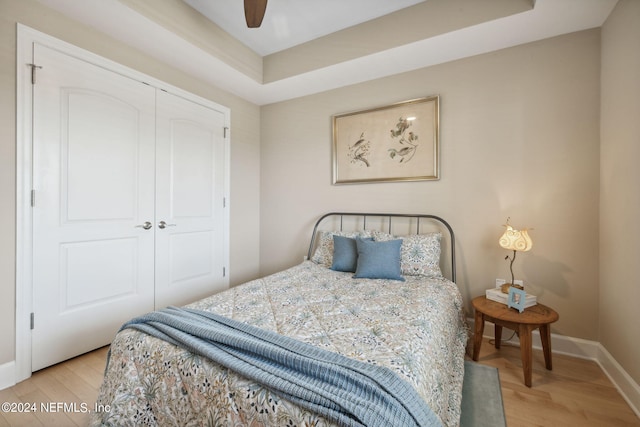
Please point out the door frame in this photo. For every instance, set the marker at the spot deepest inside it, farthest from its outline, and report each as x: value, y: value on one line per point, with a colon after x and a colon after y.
x: 26, y: 36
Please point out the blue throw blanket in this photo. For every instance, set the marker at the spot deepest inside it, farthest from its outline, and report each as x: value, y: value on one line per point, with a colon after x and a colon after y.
x: 344, y: 390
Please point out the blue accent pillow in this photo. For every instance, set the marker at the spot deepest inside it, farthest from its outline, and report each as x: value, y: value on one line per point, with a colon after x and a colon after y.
x: 379, y: 260
x: 345, y: 253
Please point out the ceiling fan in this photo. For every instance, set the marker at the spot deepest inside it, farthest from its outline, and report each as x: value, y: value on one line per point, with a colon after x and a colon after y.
x: 254, y: 12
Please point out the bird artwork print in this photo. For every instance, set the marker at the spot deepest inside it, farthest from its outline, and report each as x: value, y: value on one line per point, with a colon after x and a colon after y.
x: 406, y: 139
x: 359, y: 151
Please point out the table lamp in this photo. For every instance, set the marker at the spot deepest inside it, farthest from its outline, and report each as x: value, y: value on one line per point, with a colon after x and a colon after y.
x: 517, y: 241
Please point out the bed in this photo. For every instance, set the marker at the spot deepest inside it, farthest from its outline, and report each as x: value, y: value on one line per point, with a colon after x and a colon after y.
x: 390, y: 308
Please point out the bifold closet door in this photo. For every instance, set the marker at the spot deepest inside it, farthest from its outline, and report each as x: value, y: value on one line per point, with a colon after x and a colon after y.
x: 129, y: 203
x: 190, y: 234
x: 93, y: 217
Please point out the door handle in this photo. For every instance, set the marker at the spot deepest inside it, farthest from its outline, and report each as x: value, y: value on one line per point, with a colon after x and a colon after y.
x: 147, y: 225
x: 162, y: 225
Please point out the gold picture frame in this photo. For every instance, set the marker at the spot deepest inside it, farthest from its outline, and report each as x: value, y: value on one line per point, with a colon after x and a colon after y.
x: 397, y: 142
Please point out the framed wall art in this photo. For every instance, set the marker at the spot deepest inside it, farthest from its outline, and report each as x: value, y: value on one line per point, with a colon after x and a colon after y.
x: 398, y: 142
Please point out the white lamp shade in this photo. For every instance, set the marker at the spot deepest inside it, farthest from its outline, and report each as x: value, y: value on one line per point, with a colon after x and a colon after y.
x: 516, y: 240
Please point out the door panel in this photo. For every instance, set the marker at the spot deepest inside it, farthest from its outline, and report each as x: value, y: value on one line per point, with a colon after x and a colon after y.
x: 190, y: 190
x: 113, y: 278
x: 192, y: 170
x: 93, y: 159
x: 187, y: 264
x: 99, y: 142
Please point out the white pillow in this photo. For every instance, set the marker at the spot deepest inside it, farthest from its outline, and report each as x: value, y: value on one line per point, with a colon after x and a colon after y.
x: 419, y: 255
x: 323, y: 254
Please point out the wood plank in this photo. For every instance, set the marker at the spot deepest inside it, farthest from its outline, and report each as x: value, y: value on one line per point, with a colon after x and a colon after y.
x: 48, y: 413
x: 90, y: 366
x: 21, y: 418
x: 83, y: 391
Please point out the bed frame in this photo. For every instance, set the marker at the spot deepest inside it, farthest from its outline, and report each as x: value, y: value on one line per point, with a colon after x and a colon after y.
x: 390, y: 217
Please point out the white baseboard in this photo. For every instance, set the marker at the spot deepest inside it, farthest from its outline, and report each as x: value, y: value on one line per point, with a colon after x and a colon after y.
x: 584, y: 349
x: 623, y: 381
x: 7, y: 375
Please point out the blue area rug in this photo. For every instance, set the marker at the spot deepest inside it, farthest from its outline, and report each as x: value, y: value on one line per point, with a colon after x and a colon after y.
x: 481, y: 397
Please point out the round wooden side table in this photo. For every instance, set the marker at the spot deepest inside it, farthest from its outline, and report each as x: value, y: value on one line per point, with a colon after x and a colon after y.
x: 538, y: 316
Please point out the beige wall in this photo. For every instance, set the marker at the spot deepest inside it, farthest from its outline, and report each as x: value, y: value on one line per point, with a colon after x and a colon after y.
x: 620, y: 195
x: 519, y: 138
x: 245, y: 148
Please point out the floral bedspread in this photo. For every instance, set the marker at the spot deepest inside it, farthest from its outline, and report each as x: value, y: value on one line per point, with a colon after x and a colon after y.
x: 416, y: 328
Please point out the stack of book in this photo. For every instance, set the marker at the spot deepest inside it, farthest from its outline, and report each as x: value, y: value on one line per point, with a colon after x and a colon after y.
x: 497, y: 295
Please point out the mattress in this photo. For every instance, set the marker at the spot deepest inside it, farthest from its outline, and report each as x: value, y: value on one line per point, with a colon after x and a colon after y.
x: 414, y: 327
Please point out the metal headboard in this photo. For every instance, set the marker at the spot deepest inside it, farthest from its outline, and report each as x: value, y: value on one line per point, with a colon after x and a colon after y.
x: 390, y: 216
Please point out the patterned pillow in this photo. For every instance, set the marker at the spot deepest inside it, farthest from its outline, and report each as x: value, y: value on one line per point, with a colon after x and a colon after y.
x: 420, y: 254
x: 323, y: 253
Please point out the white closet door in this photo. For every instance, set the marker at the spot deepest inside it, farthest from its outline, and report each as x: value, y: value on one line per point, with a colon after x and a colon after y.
x: 190, y: 173
x: 93, y: 162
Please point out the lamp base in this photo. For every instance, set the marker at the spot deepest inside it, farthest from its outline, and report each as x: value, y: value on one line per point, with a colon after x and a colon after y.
x: 505, y: 288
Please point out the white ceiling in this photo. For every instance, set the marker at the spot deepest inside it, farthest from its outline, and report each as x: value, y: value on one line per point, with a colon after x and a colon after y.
x: 288, y: 23
x: 549, y: 18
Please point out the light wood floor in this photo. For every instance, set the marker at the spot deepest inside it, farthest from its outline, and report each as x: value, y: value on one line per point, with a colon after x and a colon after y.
x: 75, y: 381
x: 576, y: 393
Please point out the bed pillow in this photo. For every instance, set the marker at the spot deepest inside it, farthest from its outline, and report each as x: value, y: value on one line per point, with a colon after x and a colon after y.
x: 378, y: 260
x: 345, y: 253
x: 420, y: 254
x: 323, y: 253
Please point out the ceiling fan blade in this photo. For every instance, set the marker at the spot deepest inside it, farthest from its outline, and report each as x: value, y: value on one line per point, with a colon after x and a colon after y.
x: 254, y: 12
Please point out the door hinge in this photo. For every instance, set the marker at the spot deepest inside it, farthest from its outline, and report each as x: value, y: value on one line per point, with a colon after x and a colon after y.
x: 225, y: 131
x: 33, y: 72
x: 32, y: 320
x: 33, y: 198
x: 224, y: 202
x: 224, y: 271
